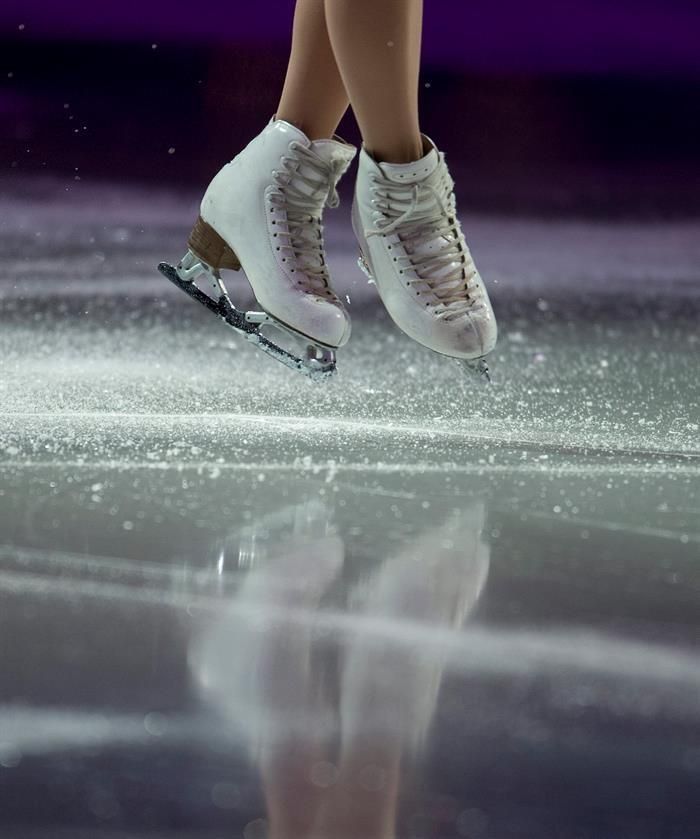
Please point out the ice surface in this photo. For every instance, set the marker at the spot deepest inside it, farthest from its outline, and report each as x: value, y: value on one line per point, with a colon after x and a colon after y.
x: 506, y: 577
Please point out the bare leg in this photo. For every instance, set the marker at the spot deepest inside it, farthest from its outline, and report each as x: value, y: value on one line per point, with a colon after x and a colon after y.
x: 377, y: 46
x: 314, y: 97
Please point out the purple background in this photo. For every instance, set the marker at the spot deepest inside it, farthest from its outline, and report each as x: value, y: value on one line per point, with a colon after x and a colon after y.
x: 575, y: 105
x: 638, y: 37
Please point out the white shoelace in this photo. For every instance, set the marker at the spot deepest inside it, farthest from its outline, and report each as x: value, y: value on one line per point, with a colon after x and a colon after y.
x: 424, y: 217
x: 302, y: 241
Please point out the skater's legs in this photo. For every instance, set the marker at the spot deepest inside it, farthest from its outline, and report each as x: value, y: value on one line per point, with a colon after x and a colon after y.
x: 314, y: 97
x: 377, y: 44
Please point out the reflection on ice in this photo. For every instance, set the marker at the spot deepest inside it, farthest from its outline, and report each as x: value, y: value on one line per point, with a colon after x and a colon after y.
x: 337, y: 649
x: 332, y: 717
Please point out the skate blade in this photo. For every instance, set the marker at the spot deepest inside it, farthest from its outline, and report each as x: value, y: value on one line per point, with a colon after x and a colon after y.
x: 317, y: 363
x: 363, y: 265
x: 476, y: 367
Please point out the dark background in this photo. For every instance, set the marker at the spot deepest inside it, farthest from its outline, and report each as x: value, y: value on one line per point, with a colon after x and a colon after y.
x: 583, y: 106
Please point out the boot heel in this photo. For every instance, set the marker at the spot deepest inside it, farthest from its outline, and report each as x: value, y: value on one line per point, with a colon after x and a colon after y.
x: 211, y: 248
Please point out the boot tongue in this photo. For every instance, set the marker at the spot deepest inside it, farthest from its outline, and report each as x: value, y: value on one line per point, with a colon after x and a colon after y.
x: 431, y: 243
x: 334, y: 149
x: 330, y: 150
x: 336, y: 154
x: 411, y: 173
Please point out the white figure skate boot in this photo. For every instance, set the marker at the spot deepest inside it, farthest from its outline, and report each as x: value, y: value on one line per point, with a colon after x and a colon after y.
x: 263, y: 212
x: 413, y: 248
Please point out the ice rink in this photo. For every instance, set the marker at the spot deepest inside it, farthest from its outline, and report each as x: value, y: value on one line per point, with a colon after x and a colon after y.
x: 237, y: 603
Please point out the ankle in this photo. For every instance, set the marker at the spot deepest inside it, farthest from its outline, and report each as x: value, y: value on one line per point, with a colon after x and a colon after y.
x: 314, y: 129
x: 406, y: 150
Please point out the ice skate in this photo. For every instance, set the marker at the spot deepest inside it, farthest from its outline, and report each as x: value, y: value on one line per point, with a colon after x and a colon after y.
x: 413, y: 248
x: 262, y: 212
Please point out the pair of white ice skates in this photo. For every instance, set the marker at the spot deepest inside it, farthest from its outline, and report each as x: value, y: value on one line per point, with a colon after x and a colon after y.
x: 263, y: 212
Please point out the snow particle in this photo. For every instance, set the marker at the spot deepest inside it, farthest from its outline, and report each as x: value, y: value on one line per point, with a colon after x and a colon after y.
x: 155, y: 724
x: 10, y: 755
